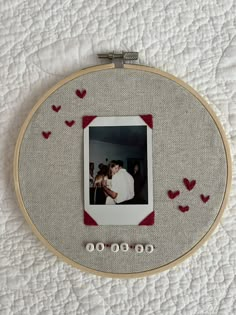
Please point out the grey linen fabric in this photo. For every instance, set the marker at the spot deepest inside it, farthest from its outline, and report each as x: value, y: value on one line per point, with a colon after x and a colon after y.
x: 186, y: 143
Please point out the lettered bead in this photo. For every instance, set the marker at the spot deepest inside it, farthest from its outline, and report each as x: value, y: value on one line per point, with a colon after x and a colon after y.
x: 100, y: 247
x: 90, y: 247
x: 149, y: 248
x: 139, y: 248
x: 115, y: 247
x: 124, y: 247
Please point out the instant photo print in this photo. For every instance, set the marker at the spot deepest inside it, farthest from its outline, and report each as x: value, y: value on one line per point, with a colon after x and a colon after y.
x: 118, y: 186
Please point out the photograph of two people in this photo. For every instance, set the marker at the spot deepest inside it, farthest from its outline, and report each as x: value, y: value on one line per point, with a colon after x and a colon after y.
x: 118, y: 165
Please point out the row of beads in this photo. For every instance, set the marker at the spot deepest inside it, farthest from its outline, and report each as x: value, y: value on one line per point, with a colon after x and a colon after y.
x: 124, y: 247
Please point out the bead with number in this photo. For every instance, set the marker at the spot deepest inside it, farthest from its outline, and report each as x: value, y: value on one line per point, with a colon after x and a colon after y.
x: 100, y: 247
x: 90, y: 247
x: 149, y: 248
x: 124, y: 247
x: 115, y: 247
x: 139, y: 248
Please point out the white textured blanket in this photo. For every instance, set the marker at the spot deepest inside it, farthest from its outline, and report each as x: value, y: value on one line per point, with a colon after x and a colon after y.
x: 43, y: 41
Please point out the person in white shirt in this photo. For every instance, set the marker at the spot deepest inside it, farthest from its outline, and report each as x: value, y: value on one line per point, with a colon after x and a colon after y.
x: 122, y: 189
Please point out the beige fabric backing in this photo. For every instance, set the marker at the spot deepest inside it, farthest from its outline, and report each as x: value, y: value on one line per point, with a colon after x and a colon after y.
x: 186, y: 143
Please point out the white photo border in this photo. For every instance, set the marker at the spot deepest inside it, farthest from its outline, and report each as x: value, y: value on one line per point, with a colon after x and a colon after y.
x: 113, y: 214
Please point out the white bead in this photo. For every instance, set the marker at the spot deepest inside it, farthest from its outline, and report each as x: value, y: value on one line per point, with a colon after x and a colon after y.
x: 100, y: 247
x: 115, y: 247
x: 149, y: 248
x: 90, y: 247
x: 139, y: 248
x: 124, y: 247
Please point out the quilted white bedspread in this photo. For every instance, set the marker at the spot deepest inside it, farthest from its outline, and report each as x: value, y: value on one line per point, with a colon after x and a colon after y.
x: 43, y: 41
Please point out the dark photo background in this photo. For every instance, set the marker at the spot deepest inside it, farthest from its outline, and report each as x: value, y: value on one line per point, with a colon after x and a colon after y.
x: 125, y: 143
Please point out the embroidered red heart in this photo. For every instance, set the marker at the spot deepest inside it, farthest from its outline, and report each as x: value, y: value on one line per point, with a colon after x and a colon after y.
x: 69, y: 123
x: 189, y: 185
x: 80, y: 94
x: 204, y: 198
x: 173, y: 194
x: 183, y: 209
x: 56, y: 108
x: 46, y: 135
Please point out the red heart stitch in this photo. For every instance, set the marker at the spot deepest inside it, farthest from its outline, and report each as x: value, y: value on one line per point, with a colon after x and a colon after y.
x: 69, y: 123
x: 56, y: 108
x: 173, y: 194
x: 183, y: 209
x: 46, y: 135
x: 189, y: 185
x: 80, y: 94
x: 204, y: 198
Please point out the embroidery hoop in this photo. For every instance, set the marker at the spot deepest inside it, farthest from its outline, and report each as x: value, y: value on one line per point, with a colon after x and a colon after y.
x: 47, y: 243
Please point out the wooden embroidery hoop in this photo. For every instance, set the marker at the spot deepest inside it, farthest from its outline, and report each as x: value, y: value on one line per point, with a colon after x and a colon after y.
x: 47, y: 243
